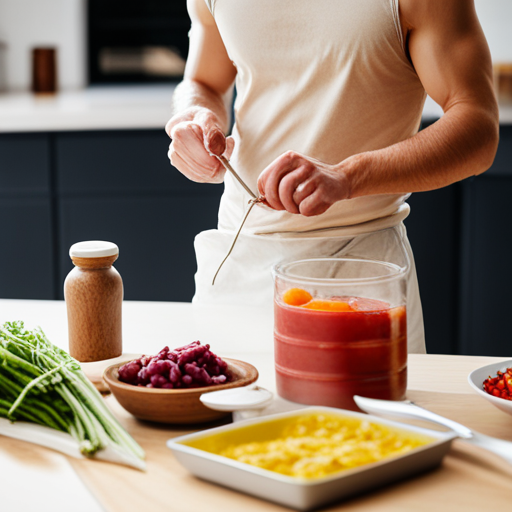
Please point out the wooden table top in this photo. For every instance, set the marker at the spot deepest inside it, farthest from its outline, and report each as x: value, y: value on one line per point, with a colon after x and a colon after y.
x: 469, y: 478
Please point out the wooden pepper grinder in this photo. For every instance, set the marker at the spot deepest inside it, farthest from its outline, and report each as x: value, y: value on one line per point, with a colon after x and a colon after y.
x: 93, y: 291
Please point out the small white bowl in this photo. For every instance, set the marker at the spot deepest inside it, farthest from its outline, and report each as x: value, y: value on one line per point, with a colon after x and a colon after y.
x: 476, y: 381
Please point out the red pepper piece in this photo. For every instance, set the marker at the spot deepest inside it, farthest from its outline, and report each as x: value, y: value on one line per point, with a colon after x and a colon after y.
x: 501, y: 385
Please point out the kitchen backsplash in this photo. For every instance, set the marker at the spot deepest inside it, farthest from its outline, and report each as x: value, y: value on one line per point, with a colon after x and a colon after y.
x: 25, y: 24
x: 61, y: 23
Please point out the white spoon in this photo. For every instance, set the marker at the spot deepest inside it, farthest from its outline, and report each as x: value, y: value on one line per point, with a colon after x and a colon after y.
x: 408, y: 409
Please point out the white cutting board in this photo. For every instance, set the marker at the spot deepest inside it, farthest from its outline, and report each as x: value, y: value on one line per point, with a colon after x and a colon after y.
x: 42, y: 473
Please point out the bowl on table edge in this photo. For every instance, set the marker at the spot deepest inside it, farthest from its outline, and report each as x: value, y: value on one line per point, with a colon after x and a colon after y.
x: 176, y: 406
x: 476, y: 381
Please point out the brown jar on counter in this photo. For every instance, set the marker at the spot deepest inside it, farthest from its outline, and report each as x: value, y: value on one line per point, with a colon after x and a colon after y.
x: 93, y: 291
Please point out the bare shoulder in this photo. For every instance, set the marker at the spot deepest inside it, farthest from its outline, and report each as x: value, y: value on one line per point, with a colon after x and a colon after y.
x: 438, y: 14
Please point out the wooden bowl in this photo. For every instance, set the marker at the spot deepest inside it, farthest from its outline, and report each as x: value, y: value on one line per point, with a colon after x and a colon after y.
x: 178, y: 406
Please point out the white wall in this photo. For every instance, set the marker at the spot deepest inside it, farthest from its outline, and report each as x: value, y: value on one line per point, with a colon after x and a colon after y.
x: 496, y: 19
x: 61, y: 23
x: 25, y: 24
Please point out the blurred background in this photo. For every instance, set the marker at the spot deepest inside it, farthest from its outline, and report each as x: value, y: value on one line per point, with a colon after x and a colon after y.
x: 85, y: 91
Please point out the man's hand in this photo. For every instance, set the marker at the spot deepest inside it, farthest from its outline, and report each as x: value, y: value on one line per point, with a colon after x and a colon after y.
x: 299, y: 184
x: 197, y: 136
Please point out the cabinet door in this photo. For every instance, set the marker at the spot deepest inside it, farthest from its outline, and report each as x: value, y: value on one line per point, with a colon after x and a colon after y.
x: 155, y: 238
x: 120, y: 186
x: 486, y: 287
x: 118, y: 162
x: 432, y: 228
x: 486, y: 284
x: 26, y: 258
x: 24, y: 164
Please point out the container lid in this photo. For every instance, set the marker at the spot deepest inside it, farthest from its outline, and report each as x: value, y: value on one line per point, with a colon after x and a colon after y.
x: 93, y: 249
x: 237, y: 399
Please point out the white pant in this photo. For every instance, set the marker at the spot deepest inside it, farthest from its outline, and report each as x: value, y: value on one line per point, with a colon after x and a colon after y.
x: 246, y: 276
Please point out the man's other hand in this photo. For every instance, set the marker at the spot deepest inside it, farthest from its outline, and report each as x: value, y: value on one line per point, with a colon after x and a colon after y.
x: 299, y: 184
x: 196, y: 137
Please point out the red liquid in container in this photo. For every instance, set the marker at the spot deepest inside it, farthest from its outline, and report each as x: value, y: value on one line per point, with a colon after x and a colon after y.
x: 326, y: 357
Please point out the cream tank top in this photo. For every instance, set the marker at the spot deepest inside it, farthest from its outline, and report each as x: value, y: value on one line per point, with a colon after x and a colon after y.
x: 325, y: 78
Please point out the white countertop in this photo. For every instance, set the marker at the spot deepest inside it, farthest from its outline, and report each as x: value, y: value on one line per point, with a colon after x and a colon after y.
x: 114, y: 107
x: 94, y: 108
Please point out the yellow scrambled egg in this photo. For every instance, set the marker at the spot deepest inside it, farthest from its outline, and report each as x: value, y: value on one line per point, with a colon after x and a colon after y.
x: 318, y: 445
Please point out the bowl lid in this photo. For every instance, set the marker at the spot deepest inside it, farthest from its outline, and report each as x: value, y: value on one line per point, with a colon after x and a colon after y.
x: 237, y: 399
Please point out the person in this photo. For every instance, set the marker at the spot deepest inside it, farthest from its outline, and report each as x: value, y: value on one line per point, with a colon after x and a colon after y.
x: 329, y: 98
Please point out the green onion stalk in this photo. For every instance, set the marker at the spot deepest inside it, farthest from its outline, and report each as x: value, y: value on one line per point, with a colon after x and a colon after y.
x: 43, y: 384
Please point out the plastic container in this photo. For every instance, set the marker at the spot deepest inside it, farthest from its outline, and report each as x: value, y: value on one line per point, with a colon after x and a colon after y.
x: 93, y: 291
x: 354, y: 339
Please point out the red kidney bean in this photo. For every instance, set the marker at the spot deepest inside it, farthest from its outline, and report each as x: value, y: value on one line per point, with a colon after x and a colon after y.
x: 158, y: 380
x: 129, y: 372
x: 189, y: 366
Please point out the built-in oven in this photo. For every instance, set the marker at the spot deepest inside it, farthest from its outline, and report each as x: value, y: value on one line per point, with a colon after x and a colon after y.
x: 136, y: 40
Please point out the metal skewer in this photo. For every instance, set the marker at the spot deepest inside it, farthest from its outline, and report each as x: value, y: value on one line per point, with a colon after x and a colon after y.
x: 255, y: 200
x: 225, y: 162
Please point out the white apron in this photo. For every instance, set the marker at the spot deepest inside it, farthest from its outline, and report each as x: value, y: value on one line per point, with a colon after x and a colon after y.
x: 245, y: 278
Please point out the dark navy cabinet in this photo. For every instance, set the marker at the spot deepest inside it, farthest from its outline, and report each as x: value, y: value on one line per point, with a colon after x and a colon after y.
x: 120, y: 186
x: 433, y: 228
x: 27, y: 244
x: 117, y: 163
x: 461, y: 237
x: 486, y: 286
x: 155, y: 236
x: 486, y: 256
x: 60, y: 188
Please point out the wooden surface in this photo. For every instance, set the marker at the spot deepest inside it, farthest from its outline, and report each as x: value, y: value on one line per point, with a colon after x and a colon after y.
x: 33, y: 478
x: 469, y: 479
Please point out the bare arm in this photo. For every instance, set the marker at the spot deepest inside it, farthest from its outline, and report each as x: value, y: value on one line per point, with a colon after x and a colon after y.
x: 450, y: 54
x: 201, y: 116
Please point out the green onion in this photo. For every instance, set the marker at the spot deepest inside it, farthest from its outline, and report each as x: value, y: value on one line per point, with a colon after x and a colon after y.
x: 41, y: 383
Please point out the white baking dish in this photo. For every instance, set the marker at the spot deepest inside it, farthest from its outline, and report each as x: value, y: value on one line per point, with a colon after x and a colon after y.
x: 307, y: 494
